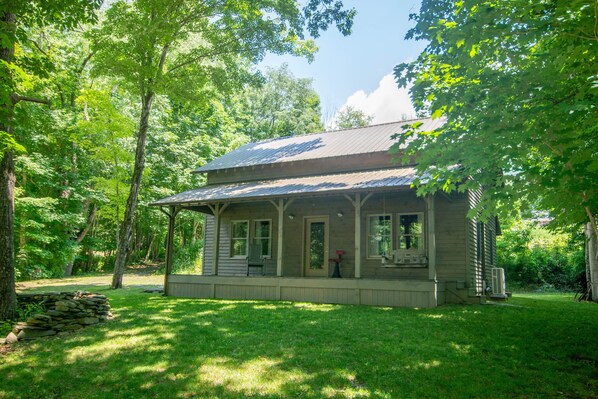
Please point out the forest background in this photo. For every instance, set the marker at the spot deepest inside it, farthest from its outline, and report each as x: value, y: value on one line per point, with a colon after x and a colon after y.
x: 75, y: 150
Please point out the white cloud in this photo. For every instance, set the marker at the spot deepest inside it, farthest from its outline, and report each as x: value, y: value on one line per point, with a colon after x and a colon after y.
x: 387, y: 103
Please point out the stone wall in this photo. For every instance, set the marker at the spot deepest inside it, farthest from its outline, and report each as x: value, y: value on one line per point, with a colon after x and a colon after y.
x: 64, y: 311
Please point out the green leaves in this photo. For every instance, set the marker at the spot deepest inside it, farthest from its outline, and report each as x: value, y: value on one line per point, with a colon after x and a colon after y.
x: 8, y: 143
x: 516, y: 84
x: 438, y: 112
x: 319, y: 14
x: 282, y: 106
x: 187, y: 48
x: 350, y: 117
x: 193, y: 59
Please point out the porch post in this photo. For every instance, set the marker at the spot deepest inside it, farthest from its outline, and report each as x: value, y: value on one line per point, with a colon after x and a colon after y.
x: 217, y: 210
x: 280, y: 208
x: 431, y: 237
x: 169, y: 244
x: 216, y: 249
x: 357, y: 205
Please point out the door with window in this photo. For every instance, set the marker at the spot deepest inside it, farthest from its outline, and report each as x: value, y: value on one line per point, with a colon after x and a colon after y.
x: 316, y: 247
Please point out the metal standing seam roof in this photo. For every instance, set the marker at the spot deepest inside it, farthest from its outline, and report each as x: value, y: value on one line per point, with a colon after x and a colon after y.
x: 375, y: 179
x: 362, y: 140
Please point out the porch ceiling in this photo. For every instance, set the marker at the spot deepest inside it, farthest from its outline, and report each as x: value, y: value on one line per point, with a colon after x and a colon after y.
x: 297, y: 186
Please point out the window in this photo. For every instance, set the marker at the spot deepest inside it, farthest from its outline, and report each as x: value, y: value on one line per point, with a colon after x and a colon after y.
x: 262, y: 236
x: 411, y: 232
x: 491, y: 245
x: 379, y: 235
x: 480, y: 242
x: 239, y: 238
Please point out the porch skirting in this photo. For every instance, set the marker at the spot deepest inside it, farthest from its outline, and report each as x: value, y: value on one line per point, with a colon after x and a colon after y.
x: 403, y: 293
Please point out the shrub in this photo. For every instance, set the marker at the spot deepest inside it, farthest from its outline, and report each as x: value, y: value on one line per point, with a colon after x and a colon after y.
x: 188, y: 259
x: 536, y: 258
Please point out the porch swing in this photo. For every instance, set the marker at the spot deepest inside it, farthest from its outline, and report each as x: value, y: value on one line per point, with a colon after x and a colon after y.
x: 408, y: 252
x: 401, y: 257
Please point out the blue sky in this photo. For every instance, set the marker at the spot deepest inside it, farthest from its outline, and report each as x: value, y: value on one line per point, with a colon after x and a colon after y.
x: 354, y: 70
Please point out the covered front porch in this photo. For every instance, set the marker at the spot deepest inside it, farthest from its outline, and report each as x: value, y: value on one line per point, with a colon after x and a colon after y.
x: 339, y: 211
x: 408, y: 293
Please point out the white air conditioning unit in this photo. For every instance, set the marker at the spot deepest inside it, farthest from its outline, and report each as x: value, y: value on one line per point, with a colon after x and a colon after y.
x: 499, y: 288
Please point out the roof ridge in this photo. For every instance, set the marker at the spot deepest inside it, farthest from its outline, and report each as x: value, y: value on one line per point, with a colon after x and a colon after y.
x: 377, y: 124
x: 335, y: 131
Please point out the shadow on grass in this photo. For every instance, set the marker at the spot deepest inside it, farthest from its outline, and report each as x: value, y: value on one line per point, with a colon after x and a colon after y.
x: 190, y: 348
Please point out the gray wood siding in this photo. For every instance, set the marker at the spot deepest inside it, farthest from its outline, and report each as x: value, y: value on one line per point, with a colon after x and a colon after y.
x: 451, y: 245
x: 245, y: 292
x: 391, y: 203
x: 208, y: 245
x: 490, y: 246
x: 479, y: 273
x: 232, y: 266
x: 341, y: 233
x: 475, y: 267
x: 302, y: 168
x: 451, y: 228
x: 319, y: 290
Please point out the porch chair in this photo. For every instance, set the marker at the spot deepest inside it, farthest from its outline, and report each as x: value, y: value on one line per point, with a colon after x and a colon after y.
x: 255, y: 258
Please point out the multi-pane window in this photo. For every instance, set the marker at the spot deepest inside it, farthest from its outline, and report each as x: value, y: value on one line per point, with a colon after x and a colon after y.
x: 491, y: 245
x: 411, y: 231
x: 379, y: 235
x: 480, y: 242
x: 239, y: 238
x: 262, y: 236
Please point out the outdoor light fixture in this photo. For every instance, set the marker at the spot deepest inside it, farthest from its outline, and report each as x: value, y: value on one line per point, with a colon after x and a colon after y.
x: 291, y: 216
x: 340, y: 214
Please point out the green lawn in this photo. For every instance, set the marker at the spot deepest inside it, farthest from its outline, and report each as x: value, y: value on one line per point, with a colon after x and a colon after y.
x: 536, y: 347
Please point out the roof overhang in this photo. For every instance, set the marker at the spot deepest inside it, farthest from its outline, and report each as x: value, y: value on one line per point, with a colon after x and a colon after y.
x: 339, y: 183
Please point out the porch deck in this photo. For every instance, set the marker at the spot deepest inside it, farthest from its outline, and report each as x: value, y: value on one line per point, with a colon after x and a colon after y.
x: 403, y: 293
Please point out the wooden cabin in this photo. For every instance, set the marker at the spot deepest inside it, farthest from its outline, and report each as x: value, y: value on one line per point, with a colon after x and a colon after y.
x: 329, y: 218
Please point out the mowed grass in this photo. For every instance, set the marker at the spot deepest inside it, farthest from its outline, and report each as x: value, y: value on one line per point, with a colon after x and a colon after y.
x: 537, y: 346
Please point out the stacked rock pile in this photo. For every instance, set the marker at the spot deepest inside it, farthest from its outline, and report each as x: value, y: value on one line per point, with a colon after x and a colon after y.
x: 64, y: 311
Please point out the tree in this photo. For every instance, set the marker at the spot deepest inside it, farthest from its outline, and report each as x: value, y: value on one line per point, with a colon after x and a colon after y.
x: 105, y: 133
x: 53, y: 215
x: 282, y: 106
x: 187, y: 49
x: 517, y: 84
x: 16, y: 16
x: 349, y: 117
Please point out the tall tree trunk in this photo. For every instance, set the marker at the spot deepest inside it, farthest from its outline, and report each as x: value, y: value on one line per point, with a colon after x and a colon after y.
x: 127, y: 226
x: 195, y: 228
x: 592, y: 261
x: 149, y: 249
x: 68, y: 270
x: 8, y: 296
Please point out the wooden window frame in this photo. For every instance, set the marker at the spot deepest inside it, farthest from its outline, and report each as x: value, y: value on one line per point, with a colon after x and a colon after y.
x: 368, y: 235
x: 421, y: 218
x: 269, y: 238
x: 480, y: 241
x: 490, y: 238
x: 233, y: 238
